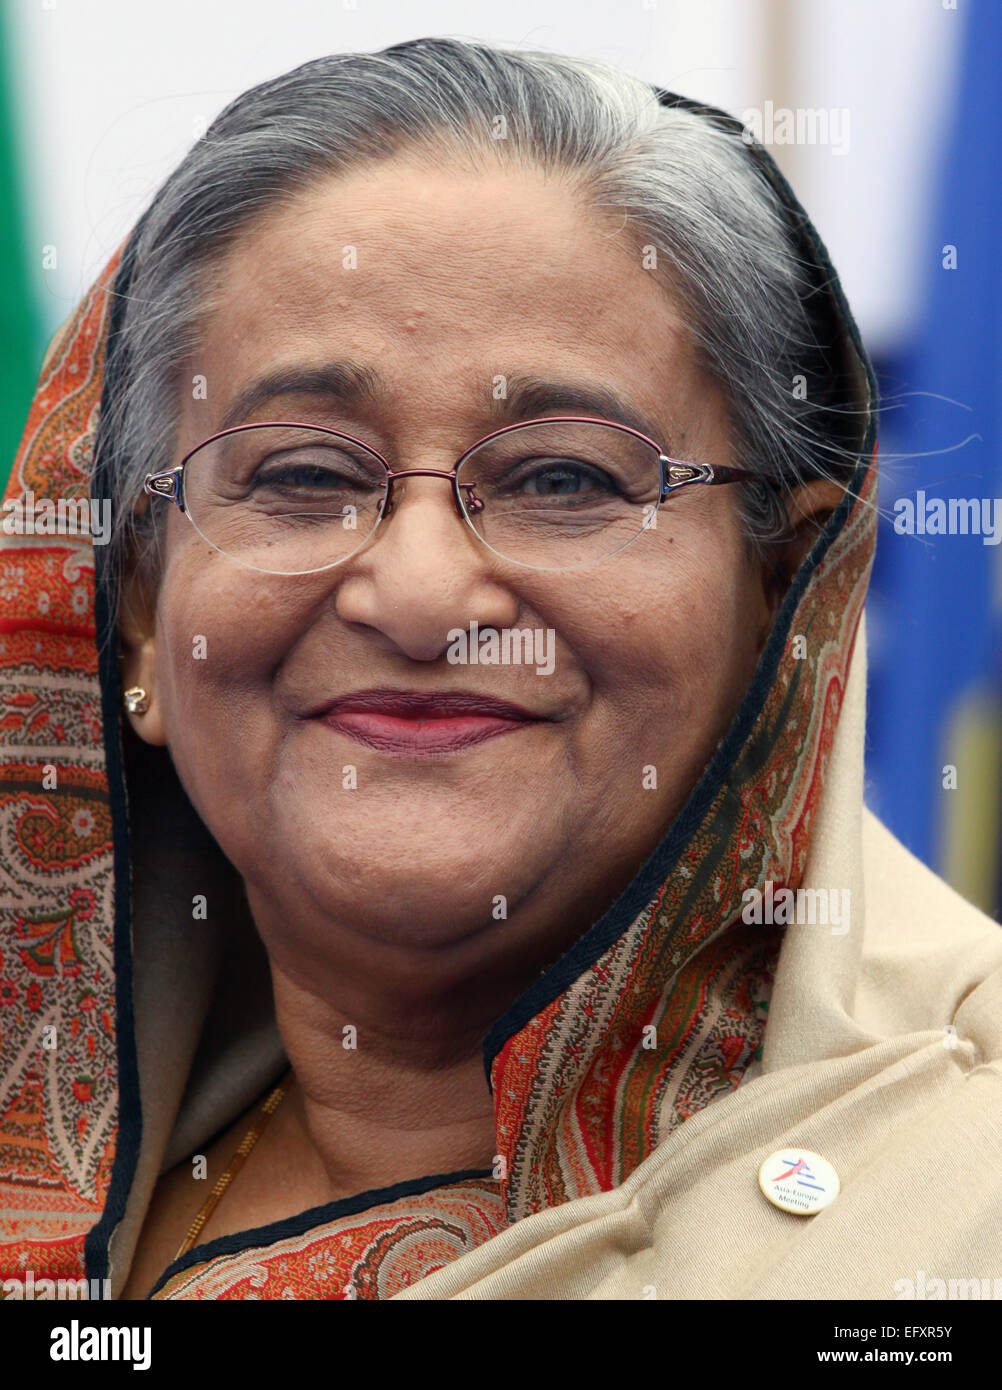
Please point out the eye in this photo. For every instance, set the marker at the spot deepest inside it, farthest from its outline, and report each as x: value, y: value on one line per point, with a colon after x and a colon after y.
x: 314, y: 470
x: 559, y: 478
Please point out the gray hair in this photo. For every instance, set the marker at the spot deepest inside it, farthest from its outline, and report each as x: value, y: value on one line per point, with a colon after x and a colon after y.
x: 678, y: 182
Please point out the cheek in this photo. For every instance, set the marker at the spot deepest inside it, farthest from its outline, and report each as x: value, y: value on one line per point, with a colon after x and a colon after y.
x: 709, y: 626
x: 219, y: 638
x: 680, y: 623
x: 677, y: 644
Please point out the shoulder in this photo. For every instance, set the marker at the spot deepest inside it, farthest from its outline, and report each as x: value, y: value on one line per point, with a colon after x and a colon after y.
x: 927, y: 952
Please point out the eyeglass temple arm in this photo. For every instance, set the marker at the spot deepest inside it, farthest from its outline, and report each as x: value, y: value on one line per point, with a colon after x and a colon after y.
x: 166, y: 484
x: 675, y: 475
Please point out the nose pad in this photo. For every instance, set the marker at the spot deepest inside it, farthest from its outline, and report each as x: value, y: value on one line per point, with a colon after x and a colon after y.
x: 473, y: 502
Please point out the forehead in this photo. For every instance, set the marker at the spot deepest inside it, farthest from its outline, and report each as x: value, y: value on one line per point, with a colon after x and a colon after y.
x: 443, y: 278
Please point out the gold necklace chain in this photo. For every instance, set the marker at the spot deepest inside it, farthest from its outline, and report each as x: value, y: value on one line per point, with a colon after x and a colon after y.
x: 236, y: 1163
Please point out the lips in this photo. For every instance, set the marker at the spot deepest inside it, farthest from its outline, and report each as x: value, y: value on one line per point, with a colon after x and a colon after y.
x: 422, y: 722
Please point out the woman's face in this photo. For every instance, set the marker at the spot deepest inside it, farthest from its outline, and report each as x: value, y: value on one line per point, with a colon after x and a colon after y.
x: 438, y: 283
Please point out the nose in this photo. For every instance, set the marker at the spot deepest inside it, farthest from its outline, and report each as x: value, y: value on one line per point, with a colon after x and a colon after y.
x: 424, y: 573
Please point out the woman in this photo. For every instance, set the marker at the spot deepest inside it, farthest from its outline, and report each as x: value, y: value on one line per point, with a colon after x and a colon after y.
x: 407, y: 855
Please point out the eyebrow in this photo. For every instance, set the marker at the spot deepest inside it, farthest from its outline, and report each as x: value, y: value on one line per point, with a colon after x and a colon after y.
x: 532, y: 395
x: 348, y: 382
x: 527, y: 396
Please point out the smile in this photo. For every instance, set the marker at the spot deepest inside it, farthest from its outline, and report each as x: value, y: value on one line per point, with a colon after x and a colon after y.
x: 414, y: 723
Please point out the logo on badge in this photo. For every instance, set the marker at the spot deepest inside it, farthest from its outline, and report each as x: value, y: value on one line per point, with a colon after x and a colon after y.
x: 798, y: 1181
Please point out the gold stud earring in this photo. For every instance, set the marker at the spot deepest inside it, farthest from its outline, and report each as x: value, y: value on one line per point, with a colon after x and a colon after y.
x: 136, y: 700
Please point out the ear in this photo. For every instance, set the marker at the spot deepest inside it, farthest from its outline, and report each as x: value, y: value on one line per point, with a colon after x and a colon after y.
x: 137, y: 651
x: 808, y: 508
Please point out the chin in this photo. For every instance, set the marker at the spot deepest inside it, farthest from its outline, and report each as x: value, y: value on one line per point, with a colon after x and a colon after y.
x: 406, y: 891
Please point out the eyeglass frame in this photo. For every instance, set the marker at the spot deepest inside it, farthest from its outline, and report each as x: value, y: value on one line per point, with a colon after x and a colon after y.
x: 675, y: 474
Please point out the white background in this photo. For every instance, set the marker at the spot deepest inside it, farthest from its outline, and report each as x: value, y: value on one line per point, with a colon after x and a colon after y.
x: 110, y: 94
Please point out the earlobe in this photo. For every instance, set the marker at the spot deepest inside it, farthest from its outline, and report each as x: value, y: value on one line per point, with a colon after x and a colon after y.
x: 137, y: 661
x: 139, y: 692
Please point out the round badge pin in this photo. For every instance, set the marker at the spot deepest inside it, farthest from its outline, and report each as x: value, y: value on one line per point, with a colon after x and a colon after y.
x: 798, y: 1181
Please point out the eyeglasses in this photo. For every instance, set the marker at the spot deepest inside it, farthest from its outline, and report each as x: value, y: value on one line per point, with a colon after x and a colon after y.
x: 555, y: 493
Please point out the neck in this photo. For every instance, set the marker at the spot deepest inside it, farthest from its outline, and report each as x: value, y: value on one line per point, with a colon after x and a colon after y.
x: 385, y: 1035
x: 377, y: 1102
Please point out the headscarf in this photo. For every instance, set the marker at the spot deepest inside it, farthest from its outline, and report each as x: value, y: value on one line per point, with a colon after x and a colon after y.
x: 657, y: 1009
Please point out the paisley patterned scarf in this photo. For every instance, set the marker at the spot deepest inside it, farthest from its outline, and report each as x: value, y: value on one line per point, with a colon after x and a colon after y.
x: 658, y: 1009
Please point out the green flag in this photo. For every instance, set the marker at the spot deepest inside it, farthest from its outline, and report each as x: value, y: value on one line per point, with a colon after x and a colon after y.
x: 20, y: 338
